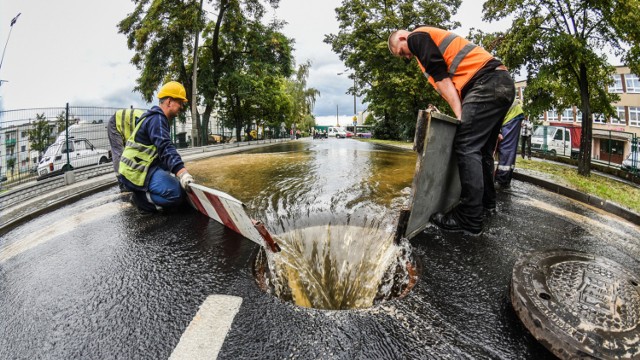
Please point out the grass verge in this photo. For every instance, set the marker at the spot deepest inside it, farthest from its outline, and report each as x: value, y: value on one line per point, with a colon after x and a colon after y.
x: 600, y: 186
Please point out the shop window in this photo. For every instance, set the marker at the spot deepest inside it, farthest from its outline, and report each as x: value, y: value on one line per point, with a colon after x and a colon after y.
x: 552, y: 115
x: 567, y: 115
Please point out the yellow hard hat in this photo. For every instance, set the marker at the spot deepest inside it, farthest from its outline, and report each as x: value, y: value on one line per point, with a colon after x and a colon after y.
x: 174, y: 90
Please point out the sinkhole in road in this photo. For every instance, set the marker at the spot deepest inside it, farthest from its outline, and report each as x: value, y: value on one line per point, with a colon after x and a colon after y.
x: 337, y: 267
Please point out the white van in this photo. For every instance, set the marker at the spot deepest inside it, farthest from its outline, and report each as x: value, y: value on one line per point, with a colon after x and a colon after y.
x: 337, y: 132
x: 559, y: 140
x: 81, y: 153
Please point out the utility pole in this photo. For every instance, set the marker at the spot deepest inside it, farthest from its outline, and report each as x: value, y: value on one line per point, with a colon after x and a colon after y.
x: 13, y: 21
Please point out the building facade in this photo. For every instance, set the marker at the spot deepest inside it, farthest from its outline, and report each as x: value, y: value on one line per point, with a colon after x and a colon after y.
x: 612, y: 138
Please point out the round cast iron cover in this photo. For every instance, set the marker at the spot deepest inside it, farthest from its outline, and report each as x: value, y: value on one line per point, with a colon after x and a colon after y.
x: 578, y: 305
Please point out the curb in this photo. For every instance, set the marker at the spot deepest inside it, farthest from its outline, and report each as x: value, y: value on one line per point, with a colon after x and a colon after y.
x: 594, y: 201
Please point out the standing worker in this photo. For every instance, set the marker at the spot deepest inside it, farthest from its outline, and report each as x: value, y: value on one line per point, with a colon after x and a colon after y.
x: 119, y: 128
x: 527, y: 131
x: 479, y: 90
x: 150, y: 159
x: 508, y: 145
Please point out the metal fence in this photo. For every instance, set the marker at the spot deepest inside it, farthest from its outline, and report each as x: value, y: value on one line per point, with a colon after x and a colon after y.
x: 63, y: 136
x: 42, y: 142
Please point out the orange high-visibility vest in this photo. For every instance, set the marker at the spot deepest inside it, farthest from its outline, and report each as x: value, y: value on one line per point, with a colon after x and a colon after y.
x: 463, y: 58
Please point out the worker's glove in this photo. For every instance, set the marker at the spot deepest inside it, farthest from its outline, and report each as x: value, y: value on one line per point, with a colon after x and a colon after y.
x: 185, y: 180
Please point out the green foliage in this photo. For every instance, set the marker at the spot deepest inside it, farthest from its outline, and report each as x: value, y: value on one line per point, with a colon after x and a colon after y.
x: 11, y: 163
x: 562, y: 45
x: 40, y: 133
x: 394, y: 90
x: 386, y: 130
x: 61, y: 122
x: 235, y: 46
x: 369, y: 120
x: 253, y: 88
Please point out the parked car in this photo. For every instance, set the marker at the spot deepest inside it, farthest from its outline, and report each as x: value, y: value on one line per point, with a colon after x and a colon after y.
x: 337, y: 132
x: 632, y: 162
x: 81, y: 153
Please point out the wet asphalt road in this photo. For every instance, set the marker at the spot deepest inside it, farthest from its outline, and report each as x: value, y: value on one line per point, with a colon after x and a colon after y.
x: 98, y: 280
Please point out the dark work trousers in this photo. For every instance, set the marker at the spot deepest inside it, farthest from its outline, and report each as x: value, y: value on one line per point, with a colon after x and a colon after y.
x: 526, y: 142
x: 508, y: 149
x: 164, y: 192
x: 483, y: 110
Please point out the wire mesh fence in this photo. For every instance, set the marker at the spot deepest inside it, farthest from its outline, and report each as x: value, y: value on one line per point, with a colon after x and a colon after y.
x: 38, y: 143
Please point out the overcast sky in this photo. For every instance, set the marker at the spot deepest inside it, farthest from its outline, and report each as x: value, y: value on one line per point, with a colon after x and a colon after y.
x: 70, y: 51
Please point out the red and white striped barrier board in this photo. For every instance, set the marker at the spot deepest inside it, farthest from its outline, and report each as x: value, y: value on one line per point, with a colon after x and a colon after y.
x: 231, y: 213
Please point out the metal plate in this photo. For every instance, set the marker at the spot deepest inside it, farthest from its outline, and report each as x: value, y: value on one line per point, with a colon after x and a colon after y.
x: 436, y: 184
x: 578, y: 305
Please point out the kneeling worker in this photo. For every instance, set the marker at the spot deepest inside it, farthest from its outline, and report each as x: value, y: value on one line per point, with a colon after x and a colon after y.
x: 149, y: 158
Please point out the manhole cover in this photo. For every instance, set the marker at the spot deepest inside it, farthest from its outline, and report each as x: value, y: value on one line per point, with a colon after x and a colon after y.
x: 578, y: 305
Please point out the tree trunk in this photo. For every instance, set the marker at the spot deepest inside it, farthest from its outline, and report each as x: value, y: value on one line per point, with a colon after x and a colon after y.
x: 584, y: 157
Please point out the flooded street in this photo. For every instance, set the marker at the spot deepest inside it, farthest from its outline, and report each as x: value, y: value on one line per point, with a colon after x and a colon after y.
x: 96, y: 279
x: 333, y: 206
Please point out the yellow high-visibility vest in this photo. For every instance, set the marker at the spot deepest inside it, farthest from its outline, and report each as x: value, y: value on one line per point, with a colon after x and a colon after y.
x: 126, y: 121
x: 136, y: 158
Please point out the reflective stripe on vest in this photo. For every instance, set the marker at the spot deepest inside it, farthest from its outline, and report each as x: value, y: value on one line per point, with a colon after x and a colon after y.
x: 126, y: 121
x: 136, y: 159
x: 463, y: 58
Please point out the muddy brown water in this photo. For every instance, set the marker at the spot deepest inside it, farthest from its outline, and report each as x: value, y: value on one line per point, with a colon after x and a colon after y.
x: 332, y: 206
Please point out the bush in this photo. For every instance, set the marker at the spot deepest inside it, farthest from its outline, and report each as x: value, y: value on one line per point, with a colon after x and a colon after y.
x: 385, y: 130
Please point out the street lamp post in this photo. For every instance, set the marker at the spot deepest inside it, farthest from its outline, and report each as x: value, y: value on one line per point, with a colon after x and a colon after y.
x: 13, y: 21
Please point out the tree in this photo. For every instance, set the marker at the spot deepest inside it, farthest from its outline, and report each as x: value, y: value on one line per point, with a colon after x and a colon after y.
x: 303, y: 98
x: 40, y: 134
x: 162, y: 34
x: 61, y: 122
x: 369, y: 120
x: 253, y: 85
x: 562, y: 46
x: 11, y: 164
x: 394, y: 90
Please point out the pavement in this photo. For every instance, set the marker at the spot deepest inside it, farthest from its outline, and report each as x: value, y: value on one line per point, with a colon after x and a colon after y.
x: 27, y: 201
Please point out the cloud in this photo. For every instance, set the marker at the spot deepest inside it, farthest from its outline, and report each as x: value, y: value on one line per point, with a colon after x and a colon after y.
x: 70, y: 51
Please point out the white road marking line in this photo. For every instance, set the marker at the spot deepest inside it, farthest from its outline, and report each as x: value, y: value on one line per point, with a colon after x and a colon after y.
x: 205, y: 335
